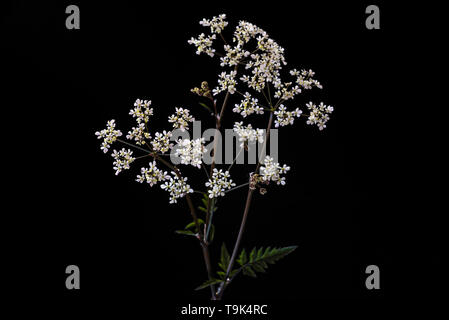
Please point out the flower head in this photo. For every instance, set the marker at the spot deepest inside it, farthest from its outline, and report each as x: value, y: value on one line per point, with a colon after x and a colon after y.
x: 248, y: 106
x: 161, y: 142
x: 247, y: 134
x: 177, y: 187
x: 319, y: 115
x: 181, y: 119
x: 138, y: 134
x: 122, y: 160
x: 141, y: 111
x: 226, y: 82
x: 284, y: 117
x: 191, y: 151
x: 109, y: 135
x: 152, y: 175
x: 304, y: 79
x: 216, y: 24
x: 272, y: 171
x: 219, y: 183
x: 203, y: 44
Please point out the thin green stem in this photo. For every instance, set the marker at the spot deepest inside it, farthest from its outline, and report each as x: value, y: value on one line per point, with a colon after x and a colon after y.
x: 132, y: 145
x: 233, y: 161
x: 238, y: 187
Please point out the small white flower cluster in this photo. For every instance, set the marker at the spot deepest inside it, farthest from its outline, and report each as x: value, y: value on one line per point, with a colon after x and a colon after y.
x: 181, y: 119
x: 286, y: 91
x: 216, y: 24
x: 219, y: 183
x: 264, y: 66
x: 233, y: 55
x: 284, y: 117
x: 161, y: 142
x: 248, y: 134
x: 305, y: 79
x: 139, y: 134
x: 152, y: 175
x: 272, y: 171
x: 246, y: 31
x: 204, y: 44
x: 248, y: 106
x: 142, y: 113
x: 319, y: 115
x: 122, y: 159
x: 109, y: 135
x: 227, y: 82
x: 191, y: 151
x: 142, y: 110
x: 177, y: 187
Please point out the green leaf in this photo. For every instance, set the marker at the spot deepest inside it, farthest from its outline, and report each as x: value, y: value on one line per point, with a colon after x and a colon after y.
x: 224, y: 259
x: 258, y: 267
x: 186, y: 232
x: 252, y: 255
x: 192, y: 224
x: 234, y: 273
x: 202, y: 209
x: 208, y: 283
x: 242, y: 257
x: 204, y: 200
x: 259, y: 259
x: 206, y: 106
x: 259, y: 253
x: 249, y: 272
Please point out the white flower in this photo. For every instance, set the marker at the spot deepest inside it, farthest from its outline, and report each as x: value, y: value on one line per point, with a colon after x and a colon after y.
x: 181, y: 119
x: 217, y: 24
x: 305, y: 79
x: 219, y: 183
x: 319, y: 115
x: 248, y: 106
x: 203, y: 44
x: 248, y: 134
x: 139, y: 134
x: 109, y: 135
x: 284, y: 117
x: 227, y: 82
x: 152, y: 175
x: 286, y: 91
x: 161, y: 142
x: 272, y: 171
x: 263, y: 64
x: 122, y: 159
x: 191, y: 151
x: 233, y: 56
x: 141, y: 111
x: 177, y: 187
x: 266, y: 61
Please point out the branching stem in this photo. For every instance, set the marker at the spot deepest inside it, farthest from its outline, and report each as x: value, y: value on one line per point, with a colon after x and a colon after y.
x: 203, y: 243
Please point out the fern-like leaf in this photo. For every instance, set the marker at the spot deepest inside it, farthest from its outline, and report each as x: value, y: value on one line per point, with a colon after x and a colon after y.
x: 260, y: 258
x: 208, y: 283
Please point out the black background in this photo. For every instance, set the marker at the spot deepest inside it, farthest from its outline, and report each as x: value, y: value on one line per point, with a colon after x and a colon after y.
x: 345, y: 201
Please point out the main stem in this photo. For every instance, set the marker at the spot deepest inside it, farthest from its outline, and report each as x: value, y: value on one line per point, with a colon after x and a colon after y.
x: 203, y: 243
x: 244, y: 218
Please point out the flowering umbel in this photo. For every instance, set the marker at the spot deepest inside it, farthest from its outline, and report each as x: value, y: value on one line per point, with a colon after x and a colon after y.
x: 254, y: 81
